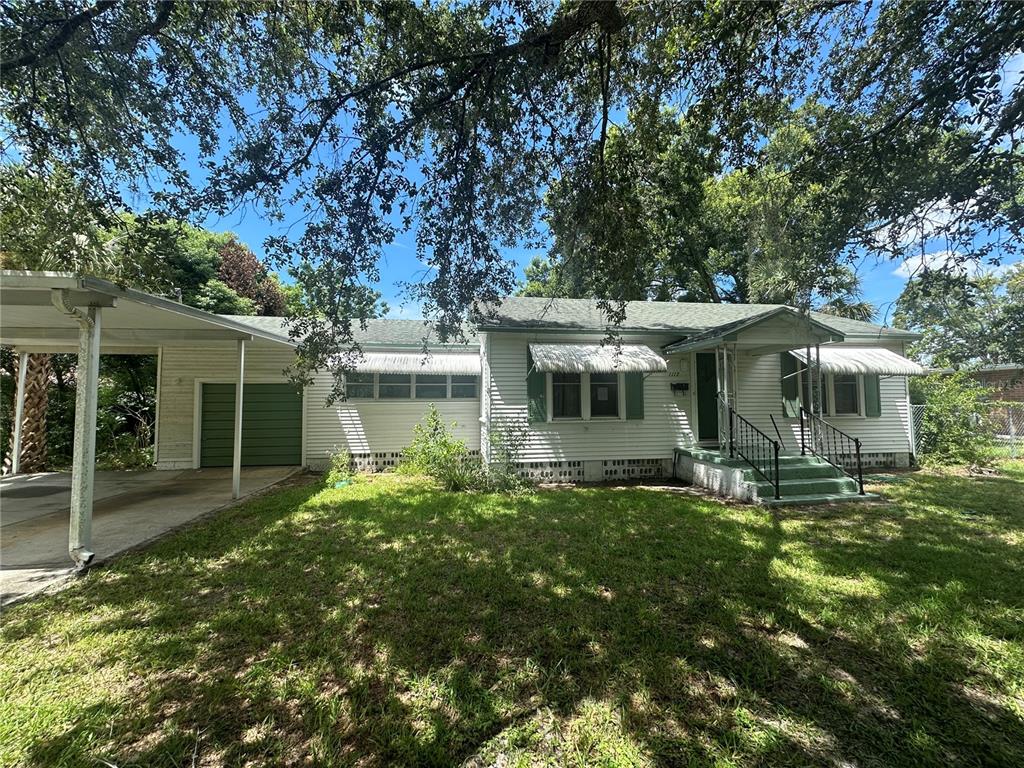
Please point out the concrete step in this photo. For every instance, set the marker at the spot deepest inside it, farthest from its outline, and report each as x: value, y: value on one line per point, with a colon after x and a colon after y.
x: 817, y: 486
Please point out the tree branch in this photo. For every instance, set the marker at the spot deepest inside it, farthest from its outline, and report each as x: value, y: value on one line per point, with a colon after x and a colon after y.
x: 605, y: 15
x: 59, y: 40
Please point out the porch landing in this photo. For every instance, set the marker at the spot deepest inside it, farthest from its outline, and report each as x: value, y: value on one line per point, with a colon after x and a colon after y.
x: 802, y: 479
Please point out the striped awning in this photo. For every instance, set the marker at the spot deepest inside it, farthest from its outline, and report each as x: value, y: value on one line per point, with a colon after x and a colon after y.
x: 417, y: 362
x: 872, y: 360
x: 596, y: 358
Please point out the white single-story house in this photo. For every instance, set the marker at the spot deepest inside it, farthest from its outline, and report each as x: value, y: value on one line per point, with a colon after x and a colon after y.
x: 725, y: 395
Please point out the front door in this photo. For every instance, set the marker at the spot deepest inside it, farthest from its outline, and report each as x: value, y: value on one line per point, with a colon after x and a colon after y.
x: 707, y: 397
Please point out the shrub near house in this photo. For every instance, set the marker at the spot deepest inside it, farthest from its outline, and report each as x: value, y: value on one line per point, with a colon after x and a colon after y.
x: 953, y: 429
x: 436, y: 452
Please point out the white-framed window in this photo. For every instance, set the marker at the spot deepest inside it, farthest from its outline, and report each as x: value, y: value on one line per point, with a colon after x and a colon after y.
x: 465, y: 386
x: 585, y: 396
x: 604, y: 395
x: 846, y: 397
x: 359, y: 386
x: 409, y: 386
x: 842, y: 394
x: 431, y: 386
x: 394, y: 386
x: 566, y: 396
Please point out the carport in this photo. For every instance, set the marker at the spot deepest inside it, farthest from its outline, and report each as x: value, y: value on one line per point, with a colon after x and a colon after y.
x: 59, y: 312
x: 130, y: 509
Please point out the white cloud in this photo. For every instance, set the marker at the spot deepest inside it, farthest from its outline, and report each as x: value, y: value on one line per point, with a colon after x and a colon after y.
x: 926, y: 223
x: 409, y: 310
x: 947, y: 261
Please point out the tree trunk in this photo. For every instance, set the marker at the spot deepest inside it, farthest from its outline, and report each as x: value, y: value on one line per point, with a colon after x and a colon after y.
x: 33, y: 424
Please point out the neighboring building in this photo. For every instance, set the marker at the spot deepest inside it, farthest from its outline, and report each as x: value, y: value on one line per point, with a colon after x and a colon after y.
x: 1006, y: 381
x: 675, y: 378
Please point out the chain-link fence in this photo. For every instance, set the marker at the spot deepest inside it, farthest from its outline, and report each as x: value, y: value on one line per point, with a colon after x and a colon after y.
x: 916, y: 421
x: 1005, y: 422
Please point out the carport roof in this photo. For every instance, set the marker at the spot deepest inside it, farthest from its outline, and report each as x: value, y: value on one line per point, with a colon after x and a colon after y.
x: 132, y: 321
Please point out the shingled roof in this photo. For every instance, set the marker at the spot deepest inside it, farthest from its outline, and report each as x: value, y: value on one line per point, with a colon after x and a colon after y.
x: 522, y: 312
x: 383, y: 332
x: 526, y: 313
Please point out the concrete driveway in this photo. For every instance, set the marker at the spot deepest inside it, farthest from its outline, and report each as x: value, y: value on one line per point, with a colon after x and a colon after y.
x: 129, y: 509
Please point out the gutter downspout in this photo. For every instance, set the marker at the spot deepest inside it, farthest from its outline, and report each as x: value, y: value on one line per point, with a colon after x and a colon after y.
x: 83, y: 463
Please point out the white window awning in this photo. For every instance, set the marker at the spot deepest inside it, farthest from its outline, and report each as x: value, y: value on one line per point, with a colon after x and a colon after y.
x: 417, y: 362
x: 870, y: 360
x: 596, y: 358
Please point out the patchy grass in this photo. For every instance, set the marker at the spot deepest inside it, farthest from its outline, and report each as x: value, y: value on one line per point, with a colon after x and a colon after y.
x: 389, y: 623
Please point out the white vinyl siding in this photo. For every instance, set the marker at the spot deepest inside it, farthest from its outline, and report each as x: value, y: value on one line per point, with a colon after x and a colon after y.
x: 665, y: 424
x: 386, y: 426
x: 760, y: 396
x: 377, y: 426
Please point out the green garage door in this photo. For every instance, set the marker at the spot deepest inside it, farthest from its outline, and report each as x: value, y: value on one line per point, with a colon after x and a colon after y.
x: 271, y: 425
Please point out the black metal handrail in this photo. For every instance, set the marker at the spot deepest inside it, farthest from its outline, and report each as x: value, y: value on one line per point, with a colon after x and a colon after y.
x: 833, y: 445
x: 777, y: 433
x: 754, y: 447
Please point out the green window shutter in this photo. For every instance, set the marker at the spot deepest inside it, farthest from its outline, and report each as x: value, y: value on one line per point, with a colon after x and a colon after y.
x: 790, y: 385
x: 634, y: 395
x: 872, y: 396
x: 536, y: 392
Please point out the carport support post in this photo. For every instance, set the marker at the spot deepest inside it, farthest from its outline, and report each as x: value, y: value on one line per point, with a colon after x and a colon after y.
x: 236, y: 461
x: 83, y: 463
x: 19, y: 413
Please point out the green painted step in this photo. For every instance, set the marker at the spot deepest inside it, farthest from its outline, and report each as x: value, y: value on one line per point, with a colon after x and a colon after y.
x: 798, y: 472
x: 830, y: 485
x: 713, y: 457
x: 802, y: 479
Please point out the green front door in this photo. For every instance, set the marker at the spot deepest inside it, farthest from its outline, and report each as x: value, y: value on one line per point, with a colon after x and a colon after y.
x: 707, y: 397
x: 271, y: 425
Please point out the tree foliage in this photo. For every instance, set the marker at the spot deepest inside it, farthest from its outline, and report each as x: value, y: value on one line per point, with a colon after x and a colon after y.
x: 953, y: 427
x: 965, y: 320
x: 659, y: 198
x: 49, y: 222
x: 456, y: 120
x: 248, y: 277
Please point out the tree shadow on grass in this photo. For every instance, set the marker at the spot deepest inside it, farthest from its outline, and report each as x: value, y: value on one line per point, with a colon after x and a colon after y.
x: 389, y: 623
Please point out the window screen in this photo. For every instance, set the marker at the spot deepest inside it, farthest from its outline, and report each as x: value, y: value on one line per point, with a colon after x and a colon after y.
x: 395, y: 386
x: 604, y: 394
x: 465, y: 386
x: 565, y: 396
x: 359, y: 386
x: 431, y: 386
x: 846, y: 394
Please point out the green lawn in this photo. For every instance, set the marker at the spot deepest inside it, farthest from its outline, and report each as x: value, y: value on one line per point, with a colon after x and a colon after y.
x: 388, y: 623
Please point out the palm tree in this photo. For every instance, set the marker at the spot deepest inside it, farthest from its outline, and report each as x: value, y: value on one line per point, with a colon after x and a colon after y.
x: 33, y: 424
